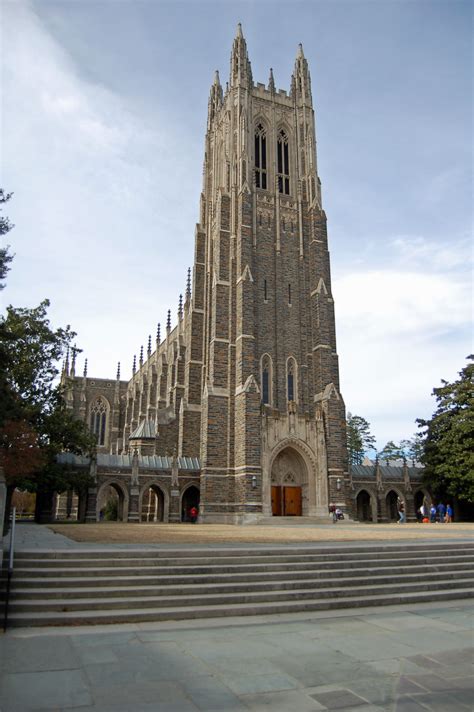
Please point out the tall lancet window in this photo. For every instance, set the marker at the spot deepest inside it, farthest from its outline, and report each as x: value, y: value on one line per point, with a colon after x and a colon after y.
x: 99, y: 412
x: 283, y: 164
x: 291, y: 380
x: 266, y: 374
x: 260, y: 157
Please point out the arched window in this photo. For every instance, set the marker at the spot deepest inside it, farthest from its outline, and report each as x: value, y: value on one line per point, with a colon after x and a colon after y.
x: 283, y: 164
x: 266, y: 379
x: 260, y: 157
x: 291, y: 383
x: 99, y: 411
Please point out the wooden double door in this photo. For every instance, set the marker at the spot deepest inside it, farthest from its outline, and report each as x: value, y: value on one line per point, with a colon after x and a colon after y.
x: 286, y: 501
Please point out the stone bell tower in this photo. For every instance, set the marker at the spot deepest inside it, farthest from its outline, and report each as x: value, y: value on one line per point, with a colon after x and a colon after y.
x: 272, y: 416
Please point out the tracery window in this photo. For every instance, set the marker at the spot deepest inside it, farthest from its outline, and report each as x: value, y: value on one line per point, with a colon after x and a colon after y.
x: 260, y: 157
x: 283, y: 164
x: 98, y: 421
x: 266, y: 379
x: 291, y: 380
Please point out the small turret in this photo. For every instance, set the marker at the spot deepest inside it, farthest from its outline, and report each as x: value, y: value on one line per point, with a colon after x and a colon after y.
x: 215, y: 99
x: 240, y: 69
x: 301, y: 79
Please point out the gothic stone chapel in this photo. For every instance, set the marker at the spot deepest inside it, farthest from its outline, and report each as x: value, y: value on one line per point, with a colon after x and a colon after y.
x: 238, y: 409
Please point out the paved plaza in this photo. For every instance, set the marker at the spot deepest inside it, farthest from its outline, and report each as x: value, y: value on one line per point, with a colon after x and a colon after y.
x: 399, y: 658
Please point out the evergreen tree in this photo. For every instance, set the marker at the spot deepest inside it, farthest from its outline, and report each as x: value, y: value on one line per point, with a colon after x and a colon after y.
x: 449, y: 438
x: 359, y: 439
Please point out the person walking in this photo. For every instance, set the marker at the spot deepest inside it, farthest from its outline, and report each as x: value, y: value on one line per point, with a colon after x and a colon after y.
x: 449, y: 514
x: 401, y: 512
x: 441, y: 512
x: 433, y: 514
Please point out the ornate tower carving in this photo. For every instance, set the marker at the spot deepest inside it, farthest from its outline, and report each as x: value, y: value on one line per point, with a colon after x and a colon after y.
x: 262, y: 279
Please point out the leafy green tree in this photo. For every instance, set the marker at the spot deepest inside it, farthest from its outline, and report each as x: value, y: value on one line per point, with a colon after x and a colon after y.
x: 449, y: 438
x: 35, y: 424
x: 359, y: 439
x: 5, y: 226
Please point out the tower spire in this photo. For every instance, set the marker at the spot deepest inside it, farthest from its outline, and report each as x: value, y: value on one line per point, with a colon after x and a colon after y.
x: 240, y: 69
x: 215, y: 99
x: 301, y: 79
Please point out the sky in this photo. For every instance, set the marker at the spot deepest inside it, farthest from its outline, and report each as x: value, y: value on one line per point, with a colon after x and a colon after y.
x: 103, y: 116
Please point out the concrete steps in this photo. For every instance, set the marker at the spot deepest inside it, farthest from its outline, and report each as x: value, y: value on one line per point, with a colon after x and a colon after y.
x: 86, y: 587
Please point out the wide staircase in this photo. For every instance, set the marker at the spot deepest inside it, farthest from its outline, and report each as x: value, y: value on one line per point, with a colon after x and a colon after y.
x: 79, y: 587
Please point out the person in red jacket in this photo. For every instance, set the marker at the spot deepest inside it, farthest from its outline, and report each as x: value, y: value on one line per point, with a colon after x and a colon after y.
x: 193, y: 514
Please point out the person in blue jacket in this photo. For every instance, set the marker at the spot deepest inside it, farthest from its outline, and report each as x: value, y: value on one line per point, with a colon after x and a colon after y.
x: 441, y: 512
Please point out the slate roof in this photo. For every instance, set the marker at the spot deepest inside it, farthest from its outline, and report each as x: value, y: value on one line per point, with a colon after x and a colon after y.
x: 388, y: 472
x: 145, y: 462
x: 145, y: 431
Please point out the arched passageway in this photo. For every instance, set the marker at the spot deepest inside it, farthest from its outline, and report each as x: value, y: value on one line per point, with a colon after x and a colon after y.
x: 364, y: 507
x: 190, y: 499
x: 153, y: 505
x: 111, y: 503
x: 288, y: 479
x: 392, y: 506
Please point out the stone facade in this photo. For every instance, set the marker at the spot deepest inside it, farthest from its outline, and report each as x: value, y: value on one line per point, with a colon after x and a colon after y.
x: 247, y: 383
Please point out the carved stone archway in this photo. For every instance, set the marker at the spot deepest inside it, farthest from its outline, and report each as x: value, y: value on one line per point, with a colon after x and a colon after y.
x: 292, y: 464
x: 110, y: 490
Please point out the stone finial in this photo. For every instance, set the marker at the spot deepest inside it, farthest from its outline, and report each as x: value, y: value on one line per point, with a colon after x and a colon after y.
x: 85, y: 369
x: 239, y: 31
x: 168, y: 321
x: 300, y: 52
x: 118, y: 371
x: 141, y: 356
x: 73, y: 361
x: 271, y: 81
x: 149, y: 345
x: 188, y: 285
x: 134, y: 365
x: 66, y: 363
x: 180, y: 307
x: 158, y: 334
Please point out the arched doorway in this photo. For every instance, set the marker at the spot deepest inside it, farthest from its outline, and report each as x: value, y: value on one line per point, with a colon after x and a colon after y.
x: 110, y: 503
x: 288, y: 480
x: 153, y: 505
x: 191, y: 498
x: 392, y: 506
x: 364, y: 507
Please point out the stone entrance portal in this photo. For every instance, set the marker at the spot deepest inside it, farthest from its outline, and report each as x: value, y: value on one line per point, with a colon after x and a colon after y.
x: 289, y: 484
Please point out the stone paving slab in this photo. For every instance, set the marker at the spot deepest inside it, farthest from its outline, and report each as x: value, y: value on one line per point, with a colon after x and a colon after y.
x: 329, y: 661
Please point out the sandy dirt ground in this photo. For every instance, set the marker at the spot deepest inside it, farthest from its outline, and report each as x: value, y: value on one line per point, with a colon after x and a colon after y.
x: 124, y: 533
